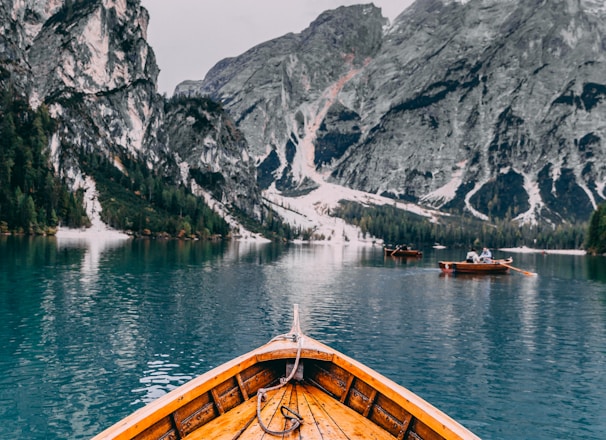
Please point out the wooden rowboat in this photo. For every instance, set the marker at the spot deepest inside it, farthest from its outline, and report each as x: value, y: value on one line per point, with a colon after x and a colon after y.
x: 493, y: 267
x: 326, y: 395
x: 401, y: 252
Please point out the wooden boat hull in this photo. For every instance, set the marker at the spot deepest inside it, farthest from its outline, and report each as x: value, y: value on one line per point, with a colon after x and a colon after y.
x: 395, y: 252
x: 494, y: 267
x: 336, y: 396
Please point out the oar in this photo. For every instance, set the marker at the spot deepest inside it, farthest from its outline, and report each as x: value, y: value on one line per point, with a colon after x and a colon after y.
x: 525, y: 272
x: 395, y: 250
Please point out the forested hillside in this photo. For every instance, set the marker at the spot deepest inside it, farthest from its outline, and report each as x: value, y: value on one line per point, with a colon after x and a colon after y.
x: 32, y: 199
x: 134, y: 198
x: 398, y: 227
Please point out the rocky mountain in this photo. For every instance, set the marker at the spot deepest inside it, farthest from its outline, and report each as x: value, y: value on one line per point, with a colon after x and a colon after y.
x: 490, y: 107
x: 89, y: 62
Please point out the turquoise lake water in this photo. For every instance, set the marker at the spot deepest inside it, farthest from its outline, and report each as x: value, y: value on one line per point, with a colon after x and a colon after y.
x: 91, y: 331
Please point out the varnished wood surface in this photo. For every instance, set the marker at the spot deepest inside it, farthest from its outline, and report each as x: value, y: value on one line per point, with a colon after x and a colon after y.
x: 402, y: 252
x: 475, y: 268
x: 338, y: 397
x: 323, y: 418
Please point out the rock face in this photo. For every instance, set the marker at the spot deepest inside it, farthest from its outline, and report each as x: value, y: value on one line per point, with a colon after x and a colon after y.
x: 211, y: 152
x: 282, y: 92
x: 493, y: 107
x: 90, y: 63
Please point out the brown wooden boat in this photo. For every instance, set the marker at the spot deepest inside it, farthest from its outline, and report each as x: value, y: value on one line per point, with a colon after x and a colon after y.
x: 326, y: 395
x: 492, y: 267
x: 401, y: 251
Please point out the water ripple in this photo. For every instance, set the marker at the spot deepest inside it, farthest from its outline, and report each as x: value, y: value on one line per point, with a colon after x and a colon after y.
x: 87, y: 339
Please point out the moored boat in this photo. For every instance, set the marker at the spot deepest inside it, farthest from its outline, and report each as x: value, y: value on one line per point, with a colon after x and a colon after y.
x: 325, y: 394
x: 401, y: 251
x: 491, y: 267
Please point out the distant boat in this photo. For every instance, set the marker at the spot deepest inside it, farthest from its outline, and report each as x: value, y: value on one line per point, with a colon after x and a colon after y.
x: 326, y: 395
x: 492, y: 267
x: 438, y: 246
x: 401, y: 251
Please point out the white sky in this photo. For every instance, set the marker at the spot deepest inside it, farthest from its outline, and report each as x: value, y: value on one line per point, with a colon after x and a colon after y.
x: 191, y: 36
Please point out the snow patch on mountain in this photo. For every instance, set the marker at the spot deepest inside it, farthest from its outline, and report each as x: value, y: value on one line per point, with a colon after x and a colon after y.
x: 313, y: 211
x: 447, y: 192
x: 534, y: 199
x: 98, y: 228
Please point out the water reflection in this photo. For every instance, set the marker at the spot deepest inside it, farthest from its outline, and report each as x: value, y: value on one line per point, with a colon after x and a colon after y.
x: 160, y: 377
x: 90, y: 334
x: 94, y: 247
x: 596, y: 268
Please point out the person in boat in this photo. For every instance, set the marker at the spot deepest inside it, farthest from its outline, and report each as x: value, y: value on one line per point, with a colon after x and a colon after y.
x: 486, y: 256
x: 472, y: 256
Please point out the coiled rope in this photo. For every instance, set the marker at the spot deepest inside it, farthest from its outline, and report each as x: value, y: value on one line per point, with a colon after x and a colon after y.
x: 289, y: 414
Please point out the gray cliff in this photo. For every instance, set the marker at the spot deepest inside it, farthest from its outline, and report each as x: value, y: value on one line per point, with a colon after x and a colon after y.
x: 90, y: 63
x: 490, y: 107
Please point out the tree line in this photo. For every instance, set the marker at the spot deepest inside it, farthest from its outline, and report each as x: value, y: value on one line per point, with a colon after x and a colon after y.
x: 136, y: 199
x: 139, y: 200
x: 396, y: 226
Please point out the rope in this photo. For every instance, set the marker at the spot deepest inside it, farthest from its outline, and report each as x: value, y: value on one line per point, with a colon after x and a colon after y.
x: 295, y: 418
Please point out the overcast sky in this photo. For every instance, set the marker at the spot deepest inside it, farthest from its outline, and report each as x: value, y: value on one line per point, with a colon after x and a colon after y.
x: 191, y: 36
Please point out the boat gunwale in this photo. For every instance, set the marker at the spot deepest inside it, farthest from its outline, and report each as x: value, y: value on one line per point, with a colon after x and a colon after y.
x: 164, y: 406
x: 186, y: 393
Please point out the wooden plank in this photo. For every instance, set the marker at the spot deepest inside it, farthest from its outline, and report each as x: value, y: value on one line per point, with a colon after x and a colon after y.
x: 358, y: 401
x: 162, y: 429
x: 270, y: 415
x: 371, y: 401
x: 242, y: 386
x: 424, y: 432
x: 226, y: 426
x: 196, y: 419
x: 260, y: 376
x: 281, y: 423
x: 347, y: 388
x: 332, y: 379
x: 317, y: 424
x: 294, y: 404
x: 217, y: 400
x: 390, y: 416
x: 329, y: 413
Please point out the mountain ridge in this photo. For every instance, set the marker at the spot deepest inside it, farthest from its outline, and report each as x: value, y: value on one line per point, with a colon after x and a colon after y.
x: 89, y: 63
x: 459, y: 102
x: 479, y: 108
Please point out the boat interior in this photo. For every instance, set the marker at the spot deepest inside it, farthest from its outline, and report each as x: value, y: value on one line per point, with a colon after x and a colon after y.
x: 323, y: 399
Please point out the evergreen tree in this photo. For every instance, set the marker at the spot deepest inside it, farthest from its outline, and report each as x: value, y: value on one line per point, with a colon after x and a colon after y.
x: 596, y: 234
x: 29, y: 191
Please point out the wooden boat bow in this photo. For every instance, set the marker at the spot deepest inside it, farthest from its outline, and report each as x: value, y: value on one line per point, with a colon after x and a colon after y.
x: 300, y: 383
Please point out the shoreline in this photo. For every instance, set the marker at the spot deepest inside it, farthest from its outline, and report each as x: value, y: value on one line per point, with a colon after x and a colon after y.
x: 91, y: 233
x: 527, y: 250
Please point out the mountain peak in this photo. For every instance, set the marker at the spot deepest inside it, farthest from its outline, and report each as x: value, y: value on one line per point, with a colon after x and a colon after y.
x: 462, y: 106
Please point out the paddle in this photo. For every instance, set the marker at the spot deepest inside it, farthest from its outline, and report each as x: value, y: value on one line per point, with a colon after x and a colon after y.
x: 525, y: 272
x: 395, y: 250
